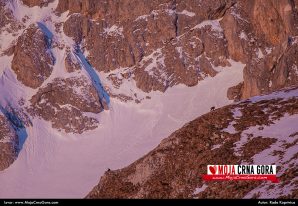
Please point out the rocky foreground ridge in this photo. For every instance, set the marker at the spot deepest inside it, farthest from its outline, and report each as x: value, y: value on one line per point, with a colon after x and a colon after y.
x: 261, y: 130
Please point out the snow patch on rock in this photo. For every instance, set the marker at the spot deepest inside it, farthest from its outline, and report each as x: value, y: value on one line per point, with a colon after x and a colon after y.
x: 114, y: 31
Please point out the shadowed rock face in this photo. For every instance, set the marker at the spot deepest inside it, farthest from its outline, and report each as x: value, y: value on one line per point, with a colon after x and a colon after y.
x: 174, y: 168
x: 32, y: 61
x: 8, y: 143
x: 188, y: 39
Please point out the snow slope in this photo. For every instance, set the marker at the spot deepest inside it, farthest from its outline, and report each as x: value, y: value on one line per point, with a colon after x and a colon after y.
x: 57, y: 165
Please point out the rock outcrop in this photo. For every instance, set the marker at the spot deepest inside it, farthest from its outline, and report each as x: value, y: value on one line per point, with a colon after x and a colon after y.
x: 40, y: 3
x: 8, y: 143
x: 9, y: 25
x: 261, y: 34
x: 71, y: 63
x: 76, y: 27
x: 66, y: 104
x: 229, y: 135
x: 234, y: 93
x: 33, y: 61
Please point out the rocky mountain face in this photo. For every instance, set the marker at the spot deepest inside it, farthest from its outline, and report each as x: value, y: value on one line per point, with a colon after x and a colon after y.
x: 164, y: 43
x: 246, y: 132
x: 157, y: 44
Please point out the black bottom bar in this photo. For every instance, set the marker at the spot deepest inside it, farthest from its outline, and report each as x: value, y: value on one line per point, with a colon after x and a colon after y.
x: 238, y: 202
